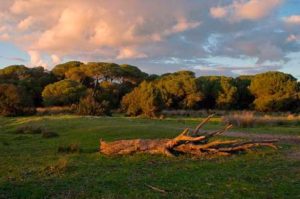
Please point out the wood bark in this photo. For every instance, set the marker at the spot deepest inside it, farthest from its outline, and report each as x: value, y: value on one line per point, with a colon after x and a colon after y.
x: 194, y: 143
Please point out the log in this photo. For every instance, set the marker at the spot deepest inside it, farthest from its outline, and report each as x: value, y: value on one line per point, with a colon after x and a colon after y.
x: 195, y: 143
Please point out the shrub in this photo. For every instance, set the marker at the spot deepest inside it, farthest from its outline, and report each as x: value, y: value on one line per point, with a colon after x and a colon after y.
x: 36, y: 130
x: 14, y: 102
x: 90, y: 106
x: 29, y: 130
x: 49, y: 134
x: 71, y: 148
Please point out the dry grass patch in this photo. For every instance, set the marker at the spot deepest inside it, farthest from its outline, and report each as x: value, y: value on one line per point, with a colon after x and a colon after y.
x: 250, y: 119
x: 54, y: 110
x: 58, y: 168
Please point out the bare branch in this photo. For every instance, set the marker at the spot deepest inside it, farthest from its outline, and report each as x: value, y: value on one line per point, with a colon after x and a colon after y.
x: 195, y: 132
x: 156, y: 189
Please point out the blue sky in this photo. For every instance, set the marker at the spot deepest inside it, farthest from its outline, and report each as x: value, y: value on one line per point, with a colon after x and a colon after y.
x: 11, y: 54
x: 225, y: 37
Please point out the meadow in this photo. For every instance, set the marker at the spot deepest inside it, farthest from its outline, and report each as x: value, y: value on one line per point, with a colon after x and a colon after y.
x: 32, y: 166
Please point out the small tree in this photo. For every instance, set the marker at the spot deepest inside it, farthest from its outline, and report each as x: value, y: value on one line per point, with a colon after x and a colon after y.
x: 13, y: 101
x: 65, y: 92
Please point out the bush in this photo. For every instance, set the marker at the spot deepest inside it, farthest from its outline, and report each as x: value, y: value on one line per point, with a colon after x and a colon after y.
x: 71, y: 148
x: 49, y: 134
x: 14, y: 102
x: 90, y: 106
x: 36, y: 130
x: 29, y: 130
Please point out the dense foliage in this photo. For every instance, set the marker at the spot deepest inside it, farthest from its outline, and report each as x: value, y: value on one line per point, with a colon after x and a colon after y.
x: 13, y: 101
x: 275, y: 91
x: 31, y: 80
x: 89, y: 105
x: 64, y: 92
x: 143, y: 100
x: 60, y: 70
x: 112, y: 86
x: 179, y: 90
x: 220, y: 92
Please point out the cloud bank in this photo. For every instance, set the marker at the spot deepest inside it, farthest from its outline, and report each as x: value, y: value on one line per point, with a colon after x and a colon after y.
x: 160, y: 36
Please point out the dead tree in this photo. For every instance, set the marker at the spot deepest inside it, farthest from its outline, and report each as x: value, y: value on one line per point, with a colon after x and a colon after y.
x: 193, y: 143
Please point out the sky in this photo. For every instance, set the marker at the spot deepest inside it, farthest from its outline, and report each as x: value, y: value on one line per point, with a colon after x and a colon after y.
x: 209, y: 37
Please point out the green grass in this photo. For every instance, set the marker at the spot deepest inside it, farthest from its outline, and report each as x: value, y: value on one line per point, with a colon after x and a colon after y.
x: 32, y: 167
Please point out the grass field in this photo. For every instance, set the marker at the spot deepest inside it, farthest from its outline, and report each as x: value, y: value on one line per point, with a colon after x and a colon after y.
x: 32, y: 167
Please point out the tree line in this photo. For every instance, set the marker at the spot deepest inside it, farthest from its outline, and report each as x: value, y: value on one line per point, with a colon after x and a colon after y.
x: 96, y: 88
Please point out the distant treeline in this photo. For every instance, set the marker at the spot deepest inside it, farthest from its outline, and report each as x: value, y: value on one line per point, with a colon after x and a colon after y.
x: 96, y: 88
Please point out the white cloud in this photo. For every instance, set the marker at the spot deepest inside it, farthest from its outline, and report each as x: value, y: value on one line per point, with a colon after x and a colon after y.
x: 36, y: 60
x: 55, y: 59
x: 218, y: 12
x: 240, y: 10
x: 26, y: 23
x: 129, y: 53
x: 293, y: 20
x: 182, y: 25
x: 4, y: 37
x: 293, y: 38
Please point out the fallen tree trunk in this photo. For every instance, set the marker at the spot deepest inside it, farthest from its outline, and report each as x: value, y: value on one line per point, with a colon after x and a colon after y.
x: 192, y: 143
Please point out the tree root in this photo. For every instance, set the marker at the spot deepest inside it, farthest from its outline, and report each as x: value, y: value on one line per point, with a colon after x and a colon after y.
x: 194, y: 143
